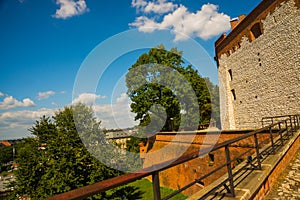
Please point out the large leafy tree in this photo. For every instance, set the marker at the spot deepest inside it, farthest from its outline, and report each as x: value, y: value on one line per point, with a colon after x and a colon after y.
x: 144, y: 82
x: 6, y: 155
x: 55, y: 160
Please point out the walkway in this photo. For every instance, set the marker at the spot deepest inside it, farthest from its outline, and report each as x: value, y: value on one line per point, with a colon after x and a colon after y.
x: 287, y: 185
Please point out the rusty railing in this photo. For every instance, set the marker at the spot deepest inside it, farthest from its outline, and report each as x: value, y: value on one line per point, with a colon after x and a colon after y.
x: 283, y: 129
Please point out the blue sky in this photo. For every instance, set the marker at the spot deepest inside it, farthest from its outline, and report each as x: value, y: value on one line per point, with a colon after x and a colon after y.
x: 45, y: 46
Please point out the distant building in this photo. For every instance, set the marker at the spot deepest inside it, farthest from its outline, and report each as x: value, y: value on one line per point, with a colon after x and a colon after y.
x: 5, y: 143
x: 120, y: 137
x: 259, y: 65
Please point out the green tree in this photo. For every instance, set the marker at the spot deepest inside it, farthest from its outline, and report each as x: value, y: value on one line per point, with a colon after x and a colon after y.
x: 6, y: 155
x: 56, y: 160
x: 159, y: 77
x: 132, y: 145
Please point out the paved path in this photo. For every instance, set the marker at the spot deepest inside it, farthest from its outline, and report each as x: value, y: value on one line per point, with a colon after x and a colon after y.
x: 287, y: 186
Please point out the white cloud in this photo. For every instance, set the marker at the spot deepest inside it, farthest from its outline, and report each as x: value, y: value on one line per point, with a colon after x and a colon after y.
x: 139, y: 4
x: 87, y: 98
x: 113, y: 115
x: 205, y: 23
x: 116, y: 115
x: 16, y: 124
x: 45, y: 95
x: 1, y: 94
x: 123, y: 97
x: 145, y: 24
x: 158, y: 6
x: 54, y: 104
x: 69, y: 8
x: 24, y: 117
x: 10, y: 102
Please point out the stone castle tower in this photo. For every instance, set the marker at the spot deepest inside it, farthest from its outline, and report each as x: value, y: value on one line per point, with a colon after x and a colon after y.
x: 259, y: 65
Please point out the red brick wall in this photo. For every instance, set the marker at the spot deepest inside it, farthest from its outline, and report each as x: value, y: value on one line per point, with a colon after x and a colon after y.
x: 181, y: 175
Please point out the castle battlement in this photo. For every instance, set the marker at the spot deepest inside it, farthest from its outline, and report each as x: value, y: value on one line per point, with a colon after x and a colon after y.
x: 259, y: 65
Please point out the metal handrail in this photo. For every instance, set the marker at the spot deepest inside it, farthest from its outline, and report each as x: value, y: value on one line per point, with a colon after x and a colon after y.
x: 154, y: 170
x: 278, y: 117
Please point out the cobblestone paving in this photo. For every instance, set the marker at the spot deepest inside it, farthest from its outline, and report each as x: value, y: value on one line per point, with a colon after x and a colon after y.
x: 287, y: 186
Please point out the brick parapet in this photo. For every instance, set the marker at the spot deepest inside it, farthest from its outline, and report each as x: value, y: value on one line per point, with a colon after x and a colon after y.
x: 228, y: 43
x: 181, y: 175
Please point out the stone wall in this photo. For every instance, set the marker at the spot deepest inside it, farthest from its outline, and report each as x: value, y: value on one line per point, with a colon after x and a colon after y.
x: 261, y: 76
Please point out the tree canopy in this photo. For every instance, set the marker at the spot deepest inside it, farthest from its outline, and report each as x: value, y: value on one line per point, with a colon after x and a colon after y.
x: 6, y: 155
x: 56, y: 160
x: 165, y: 92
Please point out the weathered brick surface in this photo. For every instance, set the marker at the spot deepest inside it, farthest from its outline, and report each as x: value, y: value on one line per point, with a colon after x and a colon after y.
x: 265, y: 70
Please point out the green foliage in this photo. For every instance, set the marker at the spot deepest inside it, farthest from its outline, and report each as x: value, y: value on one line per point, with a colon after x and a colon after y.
x: 132, y: 145
x: 159, y: 78
x: 55, y: 160
x: 146, y: 189
x: 126, y: 192
x: 6, y: 155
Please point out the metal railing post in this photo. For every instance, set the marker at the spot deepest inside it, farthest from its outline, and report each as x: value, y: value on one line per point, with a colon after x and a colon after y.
x: 280, y: 133
x: 291, y: 124
x: 229, y: 169
x: 257, y: 152
x: 156, y: 186
x: 272, y: 141
x: 286, y: 127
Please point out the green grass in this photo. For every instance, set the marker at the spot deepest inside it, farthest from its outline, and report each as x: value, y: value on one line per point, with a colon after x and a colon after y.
x: 146, y: 189
x: 140, y: 189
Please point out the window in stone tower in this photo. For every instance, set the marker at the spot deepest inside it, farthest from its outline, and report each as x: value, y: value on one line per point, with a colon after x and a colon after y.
x: 233, y: 94
x: 256, y: 30
x: 230, y: 74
